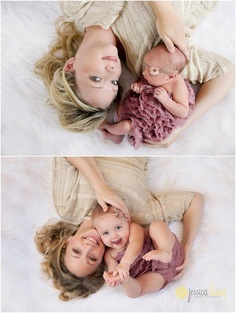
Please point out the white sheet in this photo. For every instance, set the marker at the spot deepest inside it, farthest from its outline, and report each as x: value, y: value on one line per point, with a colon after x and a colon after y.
x: 29, y: 127
x: 27, y: 204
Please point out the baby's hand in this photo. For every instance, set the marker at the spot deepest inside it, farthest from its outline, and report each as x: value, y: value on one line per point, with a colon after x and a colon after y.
x: 161, y: 94
x: 111, y: 281
x: 122, y: 270
x: 137, y: 87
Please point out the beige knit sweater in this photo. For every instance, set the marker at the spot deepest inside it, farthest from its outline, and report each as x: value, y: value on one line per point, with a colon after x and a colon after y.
x: 74, y: 198
x: 133, y: 22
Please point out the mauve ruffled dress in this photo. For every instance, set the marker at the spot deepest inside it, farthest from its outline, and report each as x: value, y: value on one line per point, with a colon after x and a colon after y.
x: 167, y: 270
x: 150, y: 119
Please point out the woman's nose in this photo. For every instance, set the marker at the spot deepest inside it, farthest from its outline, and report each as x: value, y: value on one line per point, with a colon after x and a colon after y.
x: 88, y: 246
x: 110, y: 68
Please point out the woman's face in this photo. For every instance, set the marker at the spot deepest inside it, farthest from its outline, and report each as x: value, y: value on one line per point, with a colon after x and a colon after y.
x: 84, y: 252
x: 97, y: 69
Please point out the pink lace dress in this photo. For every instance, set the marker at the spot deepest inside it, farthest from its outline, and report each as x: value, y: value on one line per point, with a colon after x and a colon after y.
x: 150, y: 119
x: 167, y: 270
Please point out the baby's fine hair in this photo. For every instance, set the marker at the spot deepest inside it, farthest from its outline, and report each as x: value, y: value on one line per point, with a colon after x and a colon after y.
x: 50, y: 240
x: 172, y: 61
x: 74, y: 113
x: 98, y: 213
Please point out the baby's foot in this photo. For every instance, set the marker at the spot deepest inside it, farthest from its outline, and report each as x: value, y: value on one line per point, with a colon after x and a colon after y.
x: 160, y: 255
x: 115, y: 138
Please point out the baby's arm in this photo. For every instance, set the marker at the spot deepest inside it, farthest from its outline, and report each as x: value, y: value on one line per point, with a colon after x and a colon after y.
x: 179, y: 104
x: 137, y: 87
x: 109, y: 277
x: 132, y: 251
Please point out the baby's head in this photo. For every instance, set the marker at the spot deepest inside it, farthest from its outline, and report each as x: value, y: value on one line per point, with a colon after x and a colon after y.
x: 159, y: 61
x: 112, y: 226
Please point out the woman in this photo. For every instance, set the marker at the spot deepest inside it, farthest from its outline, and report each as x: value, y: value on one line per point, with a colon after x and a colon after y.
x: 81, y: 70
x: 73, y: 254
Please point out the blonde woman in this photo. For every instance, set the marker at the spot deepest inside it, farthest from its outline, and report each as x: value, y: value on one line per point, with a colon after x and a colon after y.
x: 82, y: 67
x: 72, y: 248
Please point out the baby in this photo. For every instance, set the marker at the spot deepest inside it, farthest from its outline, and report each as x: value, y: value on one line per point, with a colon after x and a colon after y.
x: 155, y: 105
x: 141, y: 260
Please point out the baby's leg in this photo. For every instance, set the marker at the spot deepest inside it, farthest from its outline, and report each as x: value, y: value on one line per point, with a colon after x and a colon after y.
x: 120, y: 128
x: 112, y: 137
x: 163, y: 240
x: 115, y: 132
x: 143, y: 284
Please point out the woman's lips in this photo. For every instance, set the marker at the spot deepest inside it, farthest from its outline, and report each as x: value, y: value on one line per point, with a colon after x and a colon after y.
x: 110, y: 58
x: 92, y: 238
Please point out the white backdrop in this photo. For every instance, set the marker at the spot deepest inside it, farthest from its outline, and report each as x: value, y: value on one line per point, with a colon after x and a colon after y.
x: 27, y: 204
x: 29, y: 127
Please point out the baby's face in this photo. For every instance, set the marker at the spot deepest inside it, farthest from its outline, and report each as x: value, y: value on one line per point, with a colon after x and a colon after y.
x: 114, y: 231
x: 157, y: 79
x: 153, y: 72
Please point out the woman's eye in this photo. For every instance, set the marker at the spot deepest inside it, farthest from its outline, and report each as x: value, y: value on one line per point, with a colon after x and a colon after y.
x: 115, y: 82
x: 92, y: 259
x: 95, y: 79
x: 76, y: 251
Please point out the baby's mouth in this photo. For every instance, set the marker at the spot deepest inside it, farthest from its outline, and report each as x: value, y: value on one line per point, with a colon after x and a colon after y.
x: 117, y: 242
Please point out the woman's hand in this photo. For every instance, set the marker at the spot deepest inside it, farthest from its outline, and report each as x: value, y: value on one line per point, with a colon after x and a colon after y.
x: 182, y: 268
x: 106, y: 195
x: 169, y: 26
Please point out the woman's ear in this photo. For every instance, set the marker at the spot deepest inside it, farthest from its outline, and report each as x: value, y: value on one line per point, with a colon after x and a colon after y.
x: 69, y: 66
x: 67, y: 241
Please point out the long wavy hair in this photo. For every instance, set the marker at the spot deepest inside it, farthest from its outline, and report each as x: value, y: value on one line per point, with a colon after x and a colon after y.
x: 50, y: 240
x: 74, y: 113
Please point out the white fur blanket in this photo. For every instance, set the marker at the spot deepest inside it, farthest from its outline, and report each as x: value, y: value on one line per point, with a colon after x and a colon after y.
x: 27, y: 204
x: 29, y: 127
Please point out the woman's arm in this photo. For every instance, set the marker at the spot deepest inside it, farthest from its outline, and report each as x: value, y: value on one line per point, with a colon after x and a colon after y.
x: 169, y: 26
x: 191, y: 223
x: 104, y: 194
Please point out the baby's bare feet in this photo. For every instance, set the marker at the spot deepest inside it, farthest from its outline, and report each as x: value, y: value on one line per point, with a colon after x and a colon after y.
x: 160, y: 255
x: 115, y: 138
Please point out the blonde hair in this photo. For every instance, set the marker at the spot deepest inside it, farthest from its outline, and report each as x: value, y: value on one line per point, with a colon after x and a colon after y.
x: 50, y: 240
x: 74, y: 113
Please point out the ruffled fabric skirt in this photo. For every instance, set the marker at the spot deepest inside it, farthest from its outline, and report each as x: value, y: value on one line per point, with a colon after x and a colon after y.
x: 150, y: 119
x: 166, y: 270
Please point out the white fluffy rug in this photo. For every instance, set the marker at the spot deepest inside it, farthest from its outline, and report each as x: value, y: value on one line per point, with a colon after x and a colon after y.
x: 31, y: 127
x: 27, y: 204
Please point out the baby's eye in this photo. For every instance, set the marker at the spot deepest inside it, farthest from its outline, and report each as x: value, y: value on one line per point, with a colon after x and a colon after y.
x: 105, y: 233
x: 95, y: 79
x: 118, y: 227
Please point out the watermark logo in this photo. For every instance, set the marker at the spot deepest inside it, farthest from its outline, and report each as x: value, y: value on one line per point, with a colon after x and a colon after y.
x: 183, y: 292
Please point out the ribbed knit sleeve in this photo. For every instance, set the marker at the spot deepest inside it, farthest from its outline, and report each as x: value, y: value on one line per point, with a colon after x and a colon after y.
x: 88, y: 13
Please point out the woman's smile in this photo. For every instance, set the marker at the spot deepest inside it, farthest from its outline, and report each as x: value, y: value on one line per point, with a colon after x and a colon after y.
x: 110, y: 58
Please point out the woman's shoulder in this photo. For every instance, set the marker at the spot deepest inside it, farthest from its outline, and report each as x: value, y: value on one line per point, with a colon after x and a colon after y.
x: 88, y: 13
